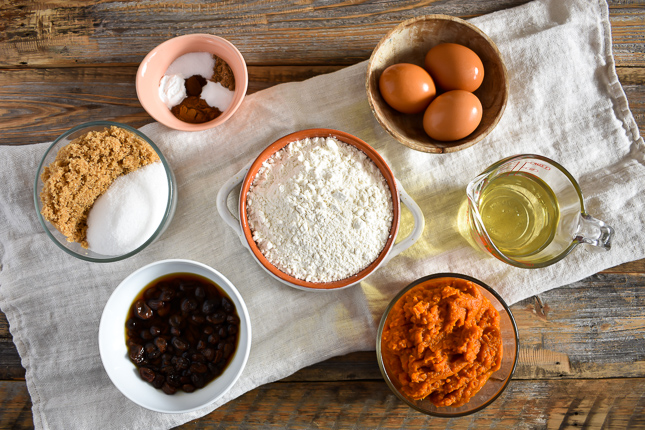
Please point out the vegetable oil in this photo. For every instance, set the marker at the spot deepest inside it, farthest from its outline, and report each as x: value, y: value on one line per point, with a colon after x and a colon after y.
x: 520, y: 213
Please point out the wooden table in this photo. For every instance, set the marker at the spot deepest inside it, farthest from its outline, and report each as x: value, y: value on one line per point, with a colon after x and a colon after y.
x: 582, y: 356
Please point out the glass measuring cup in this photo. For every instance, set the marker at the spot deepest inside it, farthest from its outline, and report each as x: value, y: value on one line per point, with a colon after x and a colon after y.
x: 528, y: 211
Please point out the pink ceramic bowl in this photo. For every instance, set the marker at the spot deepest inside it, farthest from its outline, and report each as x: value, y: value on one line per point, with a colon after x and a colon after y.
x: 155, y: 64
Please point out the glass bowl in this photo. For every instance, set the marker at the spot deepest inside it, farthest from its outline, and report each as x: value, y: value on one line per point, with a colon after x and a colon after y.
x: 73, y: 248
x: 496, y: 383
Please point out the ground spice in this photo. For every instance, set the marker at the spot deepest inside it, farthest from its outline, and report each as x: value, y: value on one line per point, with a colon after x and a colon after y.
x: 194, y: 85
x: 442, y: 340
x: 83, y: 170
x: 223, y: 74
x: 195, y: 110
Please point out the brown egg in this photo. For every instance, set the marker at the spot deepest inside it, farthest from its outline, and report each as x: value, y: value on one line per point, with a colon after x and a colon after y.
x: 407, y: 88
x: 454, y: 67
x: 452, y: 115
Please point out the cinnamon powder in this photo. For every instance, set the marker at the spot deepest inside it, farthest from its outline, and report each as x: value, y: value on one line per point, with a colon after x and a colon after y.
x: 195, y: 110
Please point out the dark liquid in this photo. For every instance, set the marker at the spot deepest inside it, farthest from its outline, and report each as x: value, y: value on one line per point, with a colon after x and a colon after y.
x: 181, y: 332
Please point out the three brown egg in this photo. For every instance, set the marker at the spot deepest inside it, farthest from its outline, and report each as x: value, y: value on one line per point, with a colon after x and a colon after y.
x: 449, y: 67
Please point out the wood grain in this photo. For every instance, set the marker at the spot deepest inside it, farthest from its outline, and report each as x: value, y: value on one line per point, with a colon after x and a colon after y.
x: 37, y: 105
x: 15, y: 406
x: 552, y: 404
x: 582, y: 357
x: 614, y: 404
x: 57, y: 34
x: 637, y: 266
x: 594, y: 328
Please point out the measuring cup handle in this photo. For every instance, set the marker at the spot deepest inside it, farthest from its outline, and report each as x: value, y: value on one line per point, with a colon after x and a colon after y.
x: 222, y: 197
x: 417, y: 230
x: 594, y: 232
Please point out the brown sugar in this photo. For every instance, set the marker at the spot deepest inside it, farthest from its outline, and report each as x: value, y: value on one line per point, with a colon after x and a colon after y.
x: 223, y: 74
x: 83, y: 170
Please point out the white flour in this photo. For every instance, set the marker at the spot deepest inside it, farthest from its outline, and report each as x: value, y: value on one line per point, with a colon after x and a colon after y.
x: 320, y: 210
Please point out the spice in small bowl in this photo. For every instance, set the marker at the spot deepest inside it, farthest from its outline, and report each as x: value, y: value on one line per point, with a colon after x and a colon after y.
x: 197, y: 87
x: 192, y: 82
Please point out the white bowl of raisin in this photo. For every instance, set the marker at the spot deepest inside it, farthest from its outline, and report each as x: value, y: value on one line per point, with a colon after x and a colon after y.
x: 175, y: 336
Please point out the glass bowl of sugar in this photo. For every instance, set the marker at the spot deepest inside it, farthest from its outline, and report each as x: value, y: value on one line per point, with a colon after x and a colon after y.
x: 104, y: 191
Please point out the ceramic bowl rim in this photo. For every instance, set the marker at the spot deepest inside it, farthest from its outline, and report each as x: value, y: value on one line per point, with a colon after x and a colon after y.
x: 241, y: 85
x: 228, y: 287
x: 345, y: 137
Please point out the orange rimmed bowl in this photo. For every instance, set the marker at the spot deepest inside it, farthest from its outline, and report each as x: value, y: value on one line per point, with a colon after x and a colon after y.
x: 240, y: 223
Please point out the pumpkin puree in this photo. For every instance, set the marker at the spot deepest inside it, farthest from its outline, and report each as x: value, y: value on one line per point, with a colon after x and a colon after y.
x: 442, y: 340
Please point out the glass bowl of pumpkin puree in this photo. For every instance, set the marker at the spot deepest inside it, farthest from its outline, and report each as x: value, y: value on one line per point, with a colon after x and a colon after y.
x: 447, y: 345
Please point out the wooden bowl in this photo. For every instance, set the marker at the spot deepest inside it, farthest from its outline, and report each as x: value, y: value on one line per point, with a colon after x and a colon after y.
x: 408, y: 43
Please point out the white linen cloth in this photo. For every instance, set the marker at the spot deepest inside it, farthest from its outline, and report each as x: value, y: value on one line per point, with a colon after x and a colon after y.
x: 565, y: 103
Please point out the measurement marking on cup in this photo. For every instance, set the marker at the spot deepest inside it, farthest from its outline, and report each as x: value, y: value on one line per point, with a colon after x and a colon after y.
x: 513, y: 169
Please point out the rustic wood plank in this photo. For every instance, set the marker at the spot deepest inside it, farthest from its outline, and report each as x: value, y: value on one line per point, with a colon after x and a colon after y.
x: 594, y: 328
x: 603, y: 403
x: 585, y: 328
x: 637, y: 266
x: 53, y: 34
x: 4, y: 327
x: 15, y: 405
x: 37, y: 105
x: 613, y: 404
x: 10, y: 364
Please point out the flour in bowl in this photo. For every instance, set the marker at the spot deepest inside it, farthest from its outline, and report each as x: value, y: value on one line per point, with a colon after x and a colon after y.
x: 320, y: 210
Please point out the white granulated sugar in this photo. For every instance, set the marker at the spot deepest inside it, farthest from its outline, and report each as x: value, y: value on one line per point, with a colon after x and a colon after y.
x: 320, y: 210
x: 193, y: 63
x: 216, y: 95
x: 129, y: 211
